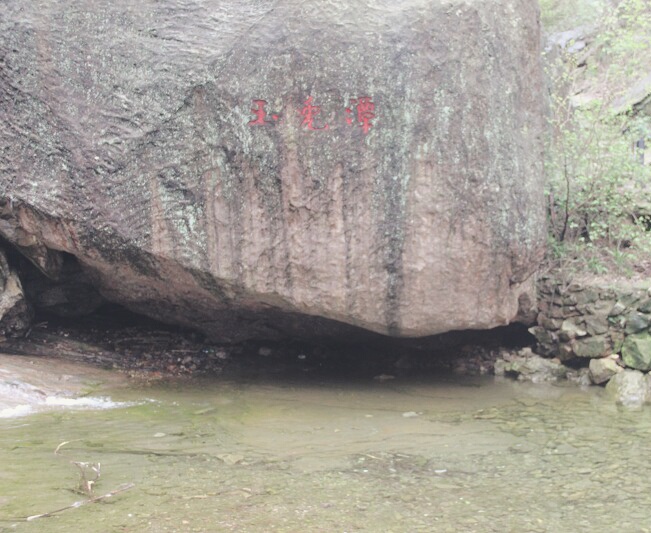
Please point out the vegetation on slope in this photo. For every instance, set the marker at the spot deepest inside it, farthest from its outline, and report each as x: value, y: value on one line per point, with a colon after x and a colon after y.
x: 598, y: 59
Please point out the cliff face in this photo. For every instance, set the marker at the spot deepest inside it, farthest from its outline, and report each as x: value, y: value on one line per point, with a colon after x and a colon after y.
x: 251, y: 168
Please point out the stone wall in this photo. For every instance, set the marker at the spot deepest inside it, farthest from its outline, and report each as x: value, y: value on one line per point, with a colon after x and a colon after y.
x: 596, y: 325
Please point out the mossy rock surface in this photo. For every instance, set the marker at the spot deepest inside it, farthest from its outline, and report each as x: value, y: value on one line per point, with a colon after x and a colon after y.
x: 636, y: 322
x: 591, y: 347
x: 636, y: 351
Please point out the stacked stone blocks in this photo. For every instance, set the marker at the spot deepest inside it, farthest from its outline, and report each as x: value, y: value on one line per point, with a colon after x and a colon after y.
x: 609, y: 326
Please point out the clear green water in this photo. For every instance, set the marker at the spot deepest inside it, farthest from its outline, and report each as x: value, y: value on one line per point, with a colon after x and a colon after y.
x: 334, y: 456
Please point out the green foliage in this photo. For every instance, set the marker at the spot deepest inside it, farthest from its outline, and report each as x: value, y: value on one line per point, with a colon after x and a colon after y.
x: 623, y: 42
x: 598, y: 192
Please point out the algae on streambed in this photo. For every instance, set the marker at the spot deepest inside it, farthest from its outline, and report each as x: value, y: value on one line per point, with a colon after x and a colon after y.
x: 252, y: 455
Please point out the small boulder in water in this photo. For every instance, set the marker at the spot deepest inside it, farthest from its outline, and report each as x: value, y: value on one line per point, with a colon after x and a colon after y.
x: 630, y: 388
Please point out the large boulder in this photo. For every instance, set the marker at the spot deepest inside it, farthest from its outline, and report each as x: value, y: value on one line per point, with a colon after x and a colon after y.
x: 240, y: 166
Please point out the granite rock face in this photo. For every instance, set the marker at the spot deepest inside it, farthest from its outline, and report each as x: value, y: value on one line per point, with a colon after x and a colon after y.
x: 264, y: 168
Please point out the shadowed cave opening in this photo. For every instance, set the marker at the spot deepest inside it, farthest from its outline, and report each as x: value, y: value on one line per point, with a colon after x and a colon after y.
x: 71, y: 319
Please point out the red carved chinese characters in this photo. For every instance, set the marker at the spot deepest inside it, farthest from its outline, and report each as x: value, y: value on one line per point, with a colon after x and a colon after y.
x: 360, y: 113
x: 309, y: 112
x: 365, y: 112
x: 260, y: 114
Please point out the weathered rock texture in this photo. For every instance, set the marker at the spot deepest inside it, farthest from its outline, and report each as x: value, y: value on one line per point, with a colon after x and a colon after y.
x: 127, y: 141
x: 15, y: 312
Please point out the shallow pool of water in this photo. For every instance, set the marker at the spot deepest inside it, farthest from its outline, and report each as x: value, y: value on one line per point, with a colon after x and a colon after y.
x: 287, y: 454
